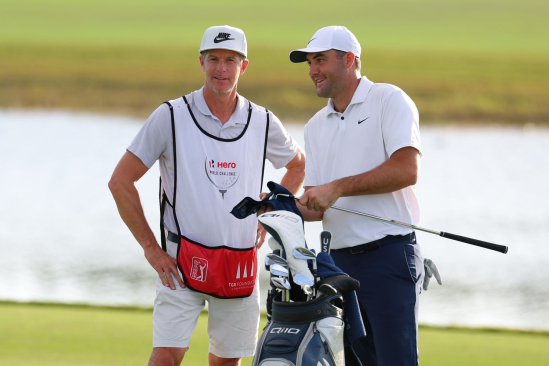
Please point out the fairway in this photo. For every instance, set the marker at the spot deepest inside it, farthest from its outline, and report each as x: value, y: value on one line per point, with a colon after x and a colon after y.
x: 461, y: 61
x: 78, y: 335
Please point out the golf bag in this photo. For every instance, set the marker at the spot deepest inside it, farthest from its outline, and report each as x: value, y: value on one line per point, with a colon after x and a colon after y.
x: 304, y: 333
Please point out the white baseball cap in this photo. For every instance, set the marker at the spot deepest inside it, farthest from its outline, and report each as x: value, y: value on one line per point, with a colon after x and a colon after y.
x: 224, y: 37
x: 334, y: 37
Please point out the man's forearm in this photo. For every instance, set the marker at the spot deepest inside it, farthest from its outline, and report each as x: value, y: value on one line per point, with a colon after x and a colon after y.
x: 295, y: 174
x: 400, y: 171
x: 394, y: 174
x: 131, y: 211
x: 293, y: 180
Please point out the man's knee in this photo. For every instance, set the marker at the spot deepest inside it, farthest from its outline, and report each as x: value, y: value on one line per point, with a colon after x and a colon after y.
x: 219, y: 361
x: 167, y: 356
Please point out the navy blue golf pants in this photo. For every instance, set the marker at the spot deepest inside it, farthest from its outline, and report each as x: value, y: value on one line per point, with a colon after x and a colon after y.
x: 390, y: 282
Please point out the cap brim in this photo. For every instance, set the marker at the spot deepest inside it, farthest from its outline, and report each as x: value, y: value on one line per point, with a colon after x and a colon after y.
x: 297, y: 56
x: 223, y: 48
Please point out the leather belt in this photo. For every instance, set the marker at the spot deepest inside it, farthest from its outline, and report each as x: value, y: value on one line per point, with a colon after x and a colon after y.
x: 389, y: 239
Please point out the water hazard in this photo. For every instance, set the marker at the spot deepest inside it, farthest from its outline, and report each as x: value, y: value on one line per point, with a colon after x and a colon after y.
x: 61, y: 238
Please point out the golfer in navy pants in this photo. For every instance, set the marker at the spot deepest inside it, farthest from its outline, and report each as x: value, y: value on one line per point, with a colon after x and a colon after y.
x: 390, y: 282
x: 363, y: 154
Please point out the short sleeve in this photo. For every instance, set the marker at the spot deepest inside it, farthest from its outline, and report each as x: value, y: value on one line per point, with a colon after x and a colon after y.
x: 281, y: 147
x: 311, y: 179
x: 399, y: 122
x: 153, y: 139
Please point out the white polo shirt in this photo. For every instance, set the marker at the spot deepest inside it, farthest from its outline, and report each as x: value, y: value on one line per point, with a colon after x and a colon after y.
x: 380, y: 120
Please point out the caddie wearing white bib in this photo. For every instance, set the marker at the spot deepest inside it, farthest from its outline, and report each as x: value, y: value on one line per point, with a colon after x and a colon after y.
x: 211, y: 146
x: 363, y: 152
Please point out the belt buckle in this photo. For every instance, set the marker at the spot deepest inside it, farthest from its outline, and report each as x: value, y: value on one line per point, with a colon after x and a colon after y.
x: 357, y: 252
x: 366, y: 247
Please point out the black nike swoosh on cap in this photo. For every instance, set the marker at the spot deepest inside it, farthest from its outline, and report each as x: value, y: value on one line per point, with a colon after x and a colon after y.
x: 359, y: 122
x: 311, y: 40
x: 217, y: 40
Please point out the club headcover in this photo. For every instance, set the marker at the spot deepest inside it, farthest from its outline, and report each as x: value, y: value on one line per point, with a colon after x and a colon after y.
x: 287, y: 230
x: 249, y: 206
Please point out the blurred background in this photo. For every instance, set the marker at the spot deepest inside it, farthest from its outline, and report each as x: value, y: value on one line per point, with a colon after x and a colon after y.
x: 79, y: 78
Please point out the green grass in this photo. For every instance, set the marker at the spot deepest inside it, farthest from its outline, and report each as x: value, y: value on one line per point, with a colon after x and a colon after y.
x: 460, y: 60
x: 34, y: 334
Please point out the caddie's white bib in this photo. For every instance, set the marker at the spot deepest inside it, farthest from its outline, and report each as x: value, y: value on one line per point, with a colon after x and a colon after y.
x: 213, y: 175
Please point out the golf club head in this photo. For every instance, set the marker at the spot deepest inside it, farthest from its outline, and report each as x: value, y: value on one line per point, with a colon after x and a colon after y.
x: 303, y: 253
x: 327, y: 290
x: 280, y: 283
x: 302, y: 280
x: 273, y: 258
x: 307, y: 290
x: 279, y: 270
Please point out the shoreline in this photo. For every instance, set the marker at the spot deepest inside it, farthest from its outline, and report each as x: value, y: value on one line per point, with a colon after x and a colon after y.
x: 136, y: 118
x: 126, y: 308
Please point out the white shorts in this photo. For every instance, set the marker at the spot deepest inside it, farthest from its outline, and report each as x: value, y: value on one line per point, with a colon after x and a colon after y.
x: 232, y: 323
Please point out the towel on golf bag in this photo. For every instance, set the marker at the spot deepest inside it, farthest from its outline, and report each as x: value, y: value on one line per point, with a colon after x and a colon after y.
x: 354, y: 325
x: 249, y: 206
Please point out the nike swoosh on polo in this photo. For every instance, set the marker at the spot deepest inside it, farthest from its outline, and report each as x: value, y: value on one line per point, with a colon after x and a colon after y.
x: 218, y: 39
x: 359, y: 122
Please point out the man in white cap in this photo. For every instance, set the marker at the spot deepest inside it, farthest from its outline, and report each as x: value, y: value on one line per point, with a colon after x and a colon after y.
x: 363, y: 151
x: 211, y: 146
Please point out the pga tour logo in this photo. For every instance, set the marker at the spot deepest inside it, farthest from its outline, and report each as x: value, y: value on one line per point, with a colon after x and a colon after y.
x: 199, y: 269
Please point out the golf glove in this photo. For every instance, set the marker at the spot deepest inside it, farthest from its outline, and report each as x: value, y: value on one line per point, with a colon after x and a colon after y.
x: 430, y: 270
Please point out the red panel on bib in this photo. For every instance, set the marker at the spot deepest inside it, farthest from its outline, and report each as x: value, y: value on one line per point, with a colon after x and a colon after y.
x: 222, y: 272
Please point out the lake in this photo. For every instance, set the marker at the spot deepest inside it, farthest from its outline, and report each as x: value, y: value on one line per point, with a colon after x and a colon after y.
x: 62, y: 240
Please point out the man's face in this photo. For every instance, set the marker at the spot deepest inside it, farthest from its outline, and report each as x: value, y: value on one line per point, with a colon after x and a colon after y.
x: 327, y: 72
x: 222, y: 69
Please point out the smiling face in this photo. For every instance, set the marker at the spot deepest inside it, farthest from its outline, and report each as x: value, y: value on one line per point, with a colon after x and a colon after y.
x: 222, y: 69
x: 328, y: 72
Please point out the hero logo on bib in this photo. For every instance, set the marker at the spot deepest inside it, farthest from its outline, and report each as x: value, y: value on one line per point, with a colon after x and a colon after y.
x: 222, y: 174
x: 199, y: 269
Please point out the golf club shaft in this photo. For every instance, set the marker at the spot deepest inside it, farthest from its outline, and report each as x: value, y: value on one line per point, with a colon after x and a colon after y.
x: 479, y: 243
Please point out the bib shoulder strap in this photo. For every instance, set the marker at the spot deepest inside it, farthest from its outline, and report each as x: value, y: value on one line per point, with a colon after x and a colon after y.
x: 264, y: 150
x: 162, y: 195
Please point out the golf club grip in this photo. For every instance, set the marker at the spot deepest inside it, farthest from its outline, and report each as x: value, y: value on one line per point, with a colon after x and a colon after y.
x: 325, y: 239
x: 478, y: 243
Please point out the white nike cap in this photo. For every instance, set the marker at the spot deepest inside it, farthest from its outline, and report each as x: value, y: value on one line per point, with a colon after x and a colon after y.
x: 335, y: 37
x: 224, y: 37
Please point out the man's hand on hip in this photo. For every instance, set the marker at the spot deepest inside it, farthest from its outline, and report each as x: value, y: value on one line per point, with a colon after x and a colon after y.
x: 430, y: 270
x: 319, y: 198
x: 164, y: 265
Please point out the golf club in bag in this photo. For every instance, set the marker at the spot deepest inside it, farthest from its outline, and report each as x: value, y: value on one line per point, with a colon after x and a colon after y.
x: 304, y: 329
x: 307, y: 327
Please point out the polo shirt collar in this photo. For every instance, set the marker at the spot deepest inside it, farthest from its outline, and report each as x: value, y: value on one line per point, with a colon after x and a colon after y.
x: 359, y: 96
x: 240, y: 114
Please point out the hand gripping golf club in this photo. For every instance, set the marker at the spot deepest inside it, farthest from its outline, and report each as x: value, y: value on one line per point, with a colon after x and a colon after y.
x: 325, y: 240
x: 479, y: 243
